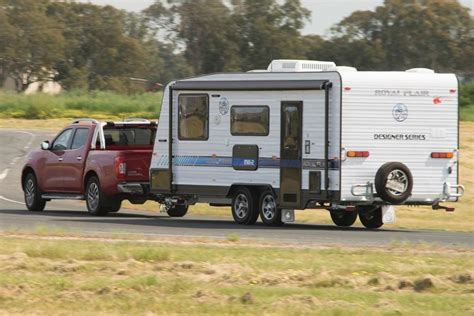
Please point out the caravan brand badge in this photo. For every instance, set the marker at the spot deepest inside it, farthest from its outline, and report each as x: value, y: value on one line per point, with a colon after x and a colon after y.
x: 223, y: 106
x: 400, y: 112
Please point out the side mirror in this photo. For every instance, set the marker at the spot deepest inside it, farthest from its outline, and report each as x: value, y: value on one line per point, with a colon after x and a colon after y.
x: 45, y: 145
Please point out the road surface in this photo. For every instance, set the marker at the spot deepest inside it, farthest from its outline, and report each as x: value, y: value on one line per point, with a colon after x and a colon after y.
x: 71, y: 215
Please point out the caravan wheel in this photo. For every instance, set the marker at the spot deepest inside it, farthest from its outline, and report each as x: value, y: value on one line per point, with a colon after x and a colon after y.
x: 244, y: 207
x: 270, y: 213
x: 344, y: 218
x: 370, y: 217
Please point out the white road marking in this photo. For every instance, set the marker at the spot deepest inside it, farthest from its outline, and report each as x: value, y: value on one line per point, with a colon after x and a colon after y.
x: 4, y: 174
x: 12, y: 201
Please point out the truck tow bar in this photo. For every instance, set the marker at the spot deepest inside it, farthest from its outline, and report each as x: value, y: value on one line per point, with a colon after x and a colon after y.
x: 441, y: 207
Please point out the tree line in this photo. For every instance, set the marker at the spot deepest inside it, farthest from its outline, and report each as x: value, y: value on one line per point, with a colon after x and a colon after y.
x: 90, y: 47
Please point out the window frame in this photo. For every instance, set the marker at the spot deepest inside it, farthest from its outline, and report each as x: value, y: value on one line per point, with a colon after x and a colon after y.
x: 74, y: 136
x: 249, y: 134
x: 180, y: 137
x: 68, y: 145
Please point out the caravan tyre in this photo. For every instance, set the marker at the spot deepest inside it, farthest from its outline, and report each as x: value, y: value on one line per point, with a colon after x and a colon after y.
x: 270, y: 213
x: 369, y: 217
x: 343, y: 218
x: 394, y: 182
x: 244, y: 206
x: 177, y: 210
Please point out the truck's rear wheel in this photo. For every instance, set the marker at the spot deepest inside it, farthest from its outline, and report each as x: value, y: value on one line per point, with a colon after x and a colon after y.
x: 244, y: 206
x: 394, y: 182
x: 344, y: 218
x: 177, y: 210
x: 96, y: 201
x: 33, y: 199
x: 114, y: 206
x: 269, y: 212
x: 371, y: 217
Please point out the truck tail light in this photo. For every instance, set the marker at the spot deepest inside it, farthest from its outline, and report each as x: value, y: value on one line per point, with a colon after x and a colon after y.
x: 353, y: 154
x: 120, y: 167
x: 448, y: 155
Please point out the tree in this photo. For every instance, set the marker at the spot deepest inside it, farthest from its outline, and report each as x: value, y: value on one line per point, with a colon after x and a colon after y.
x: 268, y: 30
x: 100, y: 55
x: 205, y: 29
x: 437, y: 34
x: 31, y: 42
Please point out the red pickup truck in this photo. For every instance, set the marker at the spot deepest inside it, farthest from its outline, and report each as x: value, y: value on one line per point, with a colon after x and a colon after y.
x: 100, y: 162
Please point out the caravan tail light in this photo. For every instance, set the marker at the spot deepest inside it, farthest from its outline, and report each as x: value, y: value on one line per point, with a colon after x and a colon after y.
x: 442, y: 155
x: 120, y: 167
x: 353, y: 154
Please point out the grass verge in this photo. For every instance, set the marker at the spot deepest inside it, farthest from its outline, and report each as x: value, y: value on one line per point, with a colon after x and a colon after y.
x: 81, y: 277
x: 99, y: 104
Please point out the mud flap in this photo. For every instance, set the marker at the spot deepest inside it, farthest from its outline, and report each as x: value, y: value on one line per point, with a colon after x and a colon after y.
x: 388, y: 214
x: 287, y: 215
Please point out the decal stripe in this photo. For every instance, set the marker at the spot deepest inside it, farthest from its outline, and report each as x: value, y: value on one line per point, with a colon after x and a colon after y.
x: 263, y: 162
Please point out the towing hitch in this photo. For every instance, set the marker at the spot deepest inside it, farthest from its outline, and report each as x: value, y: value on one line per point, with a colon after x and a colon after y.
x: 441, y: 207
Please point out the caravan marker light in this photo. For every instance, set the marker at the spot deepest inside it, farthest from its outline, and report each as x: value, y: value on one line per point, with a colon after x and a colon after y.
x: 357, y: 154
x: 448, y: 155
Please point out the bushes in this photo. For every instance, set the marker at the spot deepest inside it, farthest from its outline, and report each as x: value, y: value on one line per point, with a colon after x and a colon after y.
x: 79, y: 103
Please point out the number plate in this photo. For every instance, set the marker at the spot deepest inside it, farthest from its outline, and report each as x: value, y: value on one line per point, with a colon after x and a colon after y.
x: 394, y: 185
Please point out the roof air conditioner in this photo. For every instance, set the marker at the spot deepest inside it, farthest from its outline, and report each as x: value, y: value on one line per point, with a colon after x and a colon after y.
x: 289, y: 65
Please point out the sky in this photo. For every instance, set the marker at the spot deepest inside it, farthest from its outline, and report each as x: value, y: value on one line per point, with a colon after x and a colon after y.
x: 325, y: 13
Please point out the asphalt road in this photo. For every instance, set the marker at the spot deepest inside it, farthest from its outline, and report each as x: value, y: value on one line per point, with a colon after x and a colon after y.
x: 71, y: 215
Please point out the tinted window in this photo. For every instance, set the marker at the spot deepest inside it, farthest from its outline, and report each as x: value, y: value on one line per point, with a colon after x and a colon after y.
x: 80, y: 138
x: 249, y: 120
x: 62, y: 141
x: 129, y: 136
x: 193, y: 117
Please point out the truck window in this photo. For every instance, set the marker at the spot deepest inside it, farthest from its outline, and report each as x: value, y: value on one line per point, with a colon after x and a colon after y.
x: 249, y: 120
x: 80, y: 138
x: 129, y: 136
x: 193, y: 117
x: 62, y: 141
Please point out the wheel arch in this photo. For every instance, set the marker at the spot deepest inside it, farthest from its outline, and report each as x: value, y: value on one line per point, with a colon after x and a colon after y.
x: 87, y: 176
x: 26, y: 170
x: 255, y: 186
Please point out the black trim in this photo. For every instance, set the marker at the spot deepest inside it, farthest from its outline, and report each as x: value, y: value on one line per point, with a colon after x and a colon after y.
x: 327, y: 88
x: 250, y: 106
x: 170, y: 137
x: 255, y: 85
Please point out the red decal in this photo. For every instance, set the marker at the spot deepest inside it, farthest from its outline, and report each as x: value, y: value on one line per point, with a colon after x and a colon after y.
x: 452, y: 90
x: 437, y: 100
x: 348, y: 88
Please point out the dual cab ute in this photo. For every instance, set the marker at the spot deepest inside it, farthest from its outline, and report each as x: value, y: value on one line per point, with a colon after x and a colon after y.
x: 103, y: 163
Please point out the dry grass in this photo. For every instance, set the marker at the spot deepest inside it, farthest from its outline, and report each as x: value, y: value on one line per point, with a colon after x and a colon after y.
x: 130, y: 277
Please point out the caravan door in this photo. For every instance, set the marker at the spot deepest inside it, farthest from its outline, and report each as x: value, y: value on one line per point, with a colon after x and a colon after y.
x: 291, y: 154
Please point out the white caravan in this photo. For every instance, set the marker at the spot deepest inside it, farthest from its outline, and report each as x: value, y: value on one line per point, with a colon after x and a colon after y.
x: 308, y: 134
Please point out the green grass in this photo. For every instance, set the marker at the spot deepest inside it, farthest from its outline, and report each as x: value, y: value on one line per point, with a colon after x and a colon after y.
x: 467, y: 112
x: 79, y: 104
x: 177, y: 276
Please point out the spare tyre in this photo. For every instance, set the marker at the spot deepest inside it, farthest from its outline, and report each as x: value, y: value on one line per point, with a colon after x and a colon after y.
x: 394, y: 182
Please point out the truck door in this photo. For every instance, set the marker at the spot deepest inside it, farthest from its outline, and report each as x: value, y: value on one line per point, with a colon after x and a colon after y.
x: 53, y: 164
x: 74, y: 160
x: 290, y: 154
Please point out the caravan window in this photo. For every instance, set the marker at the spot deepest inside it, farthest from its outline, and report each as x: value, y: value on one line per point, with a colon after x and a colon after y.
x: 250, y: 120
x: 193, y: 117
